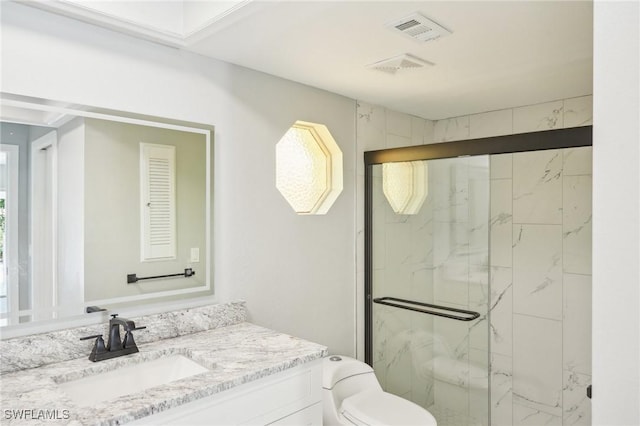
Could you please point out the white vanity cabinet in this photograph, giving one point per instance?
(290, 397)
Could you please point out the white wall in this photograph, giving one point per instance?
(616, 202)
(296, 272)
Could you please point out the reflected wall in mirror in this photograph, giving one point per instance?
(99, 208)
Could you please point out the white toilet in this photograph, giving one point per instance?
(353, 396)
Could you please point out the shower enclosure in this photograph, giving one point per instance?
(428, 268)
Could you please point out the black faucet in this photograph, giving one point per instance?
(115, 346)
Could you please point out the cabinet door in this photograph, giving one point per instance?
(310, 416)
(264, 401)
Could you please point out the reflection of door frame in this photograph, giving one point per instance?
(44, 219)
(199, 292)
(12, 262)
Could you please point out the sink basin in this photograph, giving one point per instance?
(130, 379)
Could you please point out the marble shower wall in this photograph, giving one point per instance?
(541, 287)
(430, 257)
(460, 190)
(540, 269)
(381, 128)
(401, 269)
(540, 266)
(439, 255)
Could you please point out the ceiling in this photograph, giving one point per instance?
(499, 54)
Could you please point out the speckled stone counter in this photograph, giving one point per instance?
(235, 354)
(46, 348)
(215, 336)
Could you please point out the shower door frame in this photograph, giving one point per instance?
(574, 137)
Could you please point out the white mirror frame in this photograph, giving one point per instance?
(57, 107)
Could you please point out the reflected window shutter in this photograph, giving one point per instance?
(158, 201)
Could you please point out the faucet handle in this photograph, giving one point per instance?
(91, 337)
(128, 339)
(98, 347)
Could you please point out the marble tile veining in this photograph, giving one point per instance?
(576, 404)
(501, 390)
(537, 270)
(451, 129)
(501, 307)
(371, 125)
(537, 187)
(578, 111)
(577, 220)
(397, 356)
(537, 364)
(236, 354)
(538, 117)
(501, 223)
(524, 415)
(576, 325)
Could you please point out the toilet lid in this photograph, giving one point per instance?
(380, 408)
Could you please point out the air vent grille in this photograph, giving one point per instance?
(419, 27)
(397, 63)
(407, 25)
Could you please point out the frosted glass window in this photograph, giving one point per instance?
(405, 185)
(158, 201)
(308, 168)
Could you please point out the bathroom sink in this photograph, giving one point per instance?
(130, 379)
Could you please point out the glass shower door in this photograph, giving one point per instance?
(430, 285)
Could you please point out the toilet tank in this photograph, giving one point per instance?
(344, 376)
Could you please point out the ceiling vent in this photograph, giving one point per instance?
(418, 27)
(397, 63)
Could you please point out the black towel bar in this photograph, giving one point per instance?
(467, 315)
(133, 278)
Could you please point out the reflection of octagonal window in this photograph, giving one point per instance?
(405, 185)
(309, 168)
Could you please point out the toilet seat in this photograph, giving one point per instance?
(374, 407)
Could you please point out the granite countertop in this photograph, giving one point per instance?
(235, 355)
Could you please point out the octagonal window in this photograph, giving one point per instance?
(405, 185)
(309, 168)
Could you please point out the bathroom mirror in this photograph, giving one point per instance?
(100, 208)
